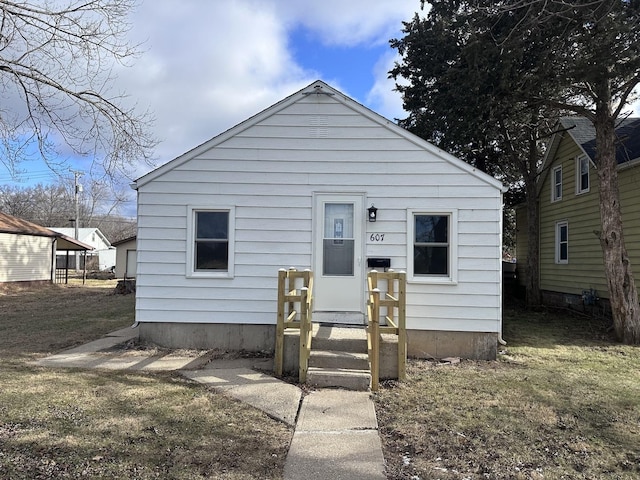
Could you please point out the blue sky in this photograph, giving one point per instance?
(207, 66)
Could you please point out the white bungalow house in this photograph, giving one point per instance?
(103, 254)
(291, 186)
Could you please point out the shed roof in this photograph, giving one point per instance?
(124, 240)
(18, 226)
(10, 224)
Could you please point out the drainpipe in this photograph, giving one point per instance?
(501, 227)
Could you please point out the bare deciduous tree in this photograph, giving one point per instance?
(56, 61)
(54, 206)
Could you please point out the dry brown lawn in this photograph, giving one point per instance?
(562, 402)
(74, 423)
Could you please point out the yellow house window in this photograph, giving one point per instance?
(556, 188)
(582, 174)
(562, 242)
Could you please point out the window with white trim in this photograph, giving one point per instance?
(582, 174)
(562, 242)
(432, 246)
(210, 242)
(556, 188)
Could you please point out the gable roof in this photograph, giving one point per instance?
(317, 87)
(18, 226)
(83, 233)
(584, 134)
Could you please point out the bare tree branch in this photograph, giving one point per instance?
(56, 75)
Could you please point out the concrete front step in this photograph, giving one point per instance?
(335, 359)
(345, 318)
(359, 380)
(332, 338)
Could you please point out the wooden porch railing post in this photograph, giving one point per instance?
(304, 336)
(375, 339)
(279, 353)
(402, 326)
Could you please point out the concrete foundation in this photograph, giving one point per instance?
(441, 344)
(590, 304)
(208, 336)
(261, 338)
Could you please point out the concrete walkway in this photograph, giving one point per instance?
(336, 431)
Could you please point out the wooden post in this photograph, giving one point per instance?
(279, 353)
(391, 282)
(304, 336)
(402, 326)
(375, 339)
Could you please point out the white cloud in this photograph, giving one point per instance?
(383, 97)
(208, 65)
(348, 23)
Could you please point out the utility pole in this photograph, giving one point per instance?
(76, 197)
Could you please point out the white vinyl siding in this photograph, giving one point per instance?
(269, 169)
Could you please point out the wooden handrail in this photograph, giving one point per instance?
(394, 300)
(295, 304)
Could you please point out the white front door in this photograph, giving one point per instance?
(338, 245)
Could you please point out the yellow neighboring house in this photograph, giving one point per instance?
(571, 265)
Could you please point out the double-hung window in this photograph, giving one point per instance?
(210, 239)
(582, 174)
(556, 188)
(432, 254)
(562, 242)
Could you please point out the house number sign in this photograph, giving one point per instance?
(376, 237)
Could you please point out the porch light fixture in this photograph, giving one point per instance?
(373, 213)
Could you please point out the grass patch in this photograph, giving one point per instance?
(562, 402)
(65, 423)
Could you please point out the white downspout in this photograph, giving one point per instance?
(500, 339)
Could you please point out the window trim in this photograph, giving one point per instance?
(579, 160)
(558, 242)
(554, 184)
(191, 272)
(452, 277)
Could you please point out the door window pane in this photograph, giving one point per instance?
(338, 242)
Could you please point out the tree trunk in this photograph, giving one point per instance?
(532, 281)
(623, 295)
(529, 171)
